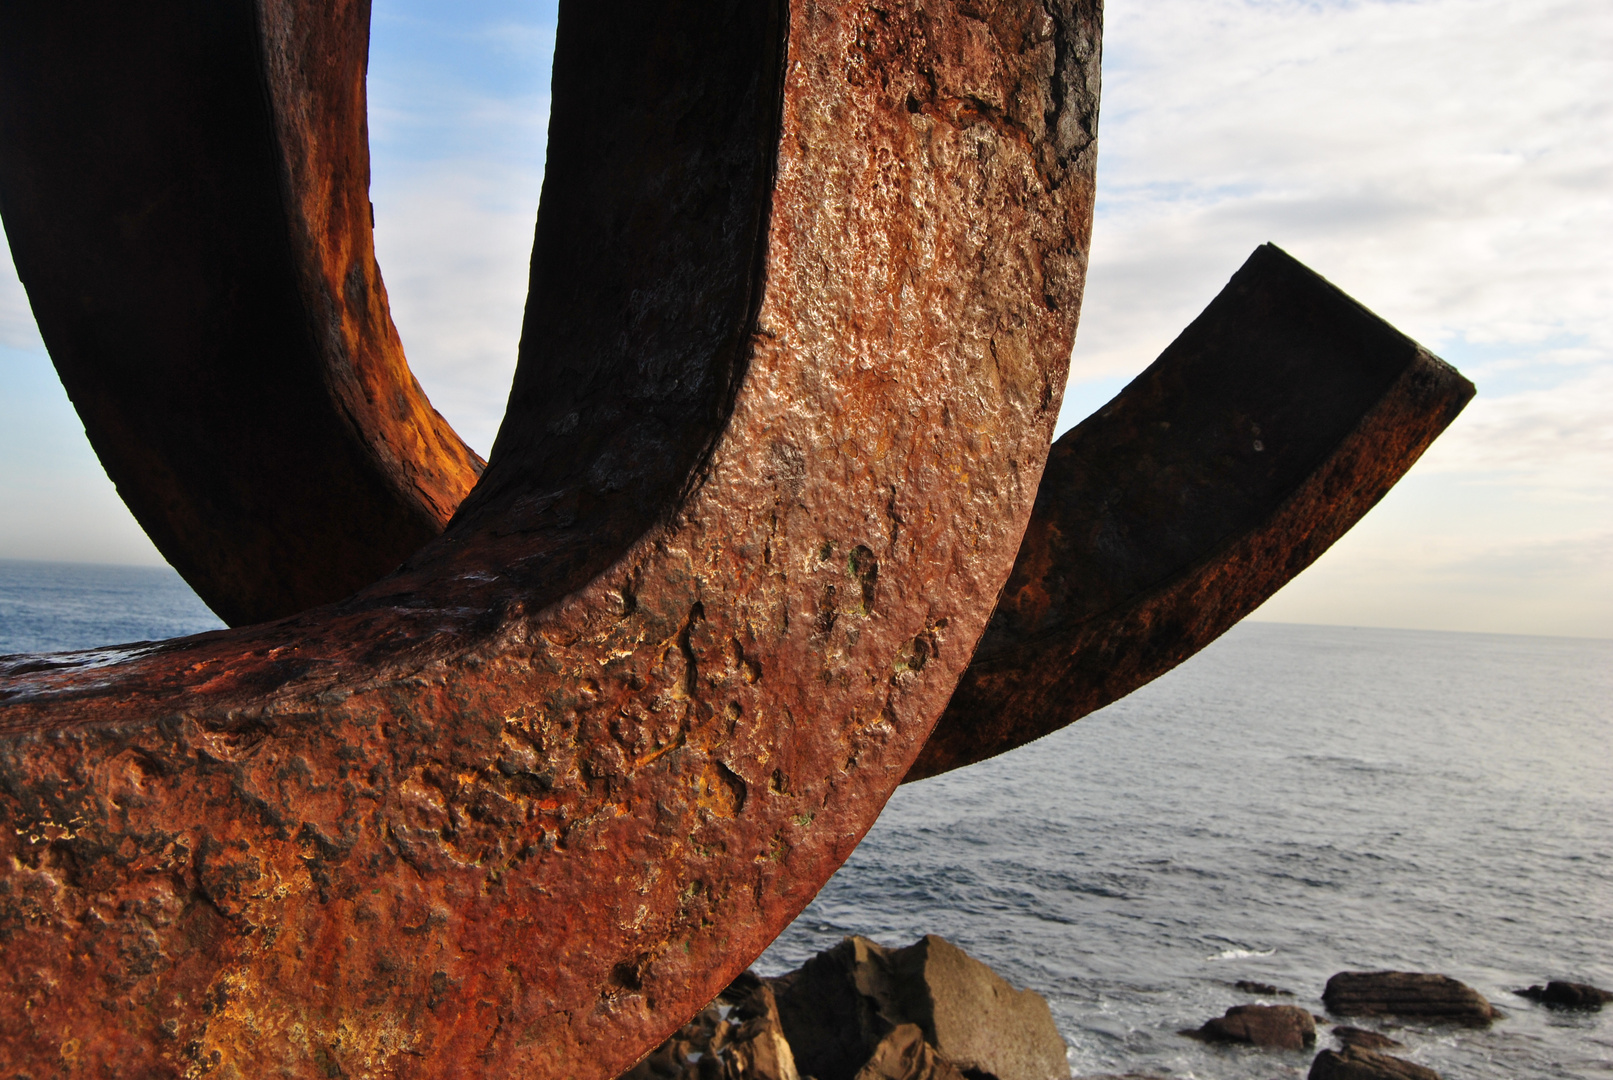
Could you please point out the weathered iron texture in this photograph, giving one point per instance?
(233, 490)
(805, 284)
(1257, 439)
(185, 190)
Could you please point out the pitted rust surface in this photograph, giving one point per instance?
(185, 191)
(524, 806)
(1267, 429)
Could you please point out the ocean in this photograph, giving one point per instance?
(53, 607)
(1292, 802)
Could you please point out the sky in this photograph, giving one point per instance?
(1447, 162)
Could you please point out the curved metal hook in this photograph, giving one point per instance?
(185, 190)
(1179, 523)
(1262, 434)
(1258, 438)
(530, 801)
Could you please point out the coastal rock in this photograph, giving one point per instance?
(860, 1011)
(973, 1016)
(1366, 1040)
(904, 1055)
(747, 1044)
(755, 1048)
(1567, 995)
(1285, 1027)
(1354, 1063)
(1261, 989)
(1407, 994)
(839, 1007)
(675, 1059)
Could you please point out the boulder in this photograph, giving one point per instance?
(1407, 994)
(1284, 1027)
(1261, 989)
(1355, 1063)
(904, 1055)
(1567, 995)
(973, 1016)
(860, 1011)
(755, 1047)
(1366, 1040)
(838, 1008)
(746, 1044)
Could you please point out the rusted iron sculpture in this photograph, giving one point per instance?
(803, 292)
(1267, 429)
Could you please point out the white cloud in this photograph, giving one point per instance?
(454, 249)
(459, 116)
(1556, 441)
(1448, 162)
(1560, 585)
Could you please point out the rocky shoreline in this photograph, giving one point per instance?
(861, 1011)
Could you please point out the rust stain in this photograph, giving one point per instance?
(524, 805)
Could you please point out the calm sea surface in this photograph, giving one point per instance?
(52, 607)
(1293, 802)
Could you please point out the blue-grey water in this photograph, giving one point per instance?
(1294, 801)
(52, 607)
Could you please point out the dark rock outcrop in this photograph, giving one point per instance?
(1284, 1027)
(1409, 995)
(746, 1044)
(756, 1049)
(835, 1008)
(904, 1055)
(1261, 989)
(1567, 995)
(1354, 1063)
(860, 1011)
(1366, 1040)
(842, 1004)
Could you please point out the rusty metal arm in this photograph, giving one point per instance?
(185, 187)
(523, 806)
(1258, 438)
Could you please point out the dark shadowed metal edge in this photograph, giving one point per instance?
(185, 187)
(1258, 438)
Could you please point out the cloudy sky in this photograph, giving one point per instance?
(1447, 162)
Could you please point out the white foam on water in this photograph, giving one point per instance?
(1241, 954)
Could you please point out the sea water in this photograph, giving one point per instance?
(52, 607)
(1292, 802)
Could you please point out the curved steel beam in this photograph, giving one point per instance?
(226, 486)
(1258, 438)
(254, 552)
(185, 189)
(529, 802)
